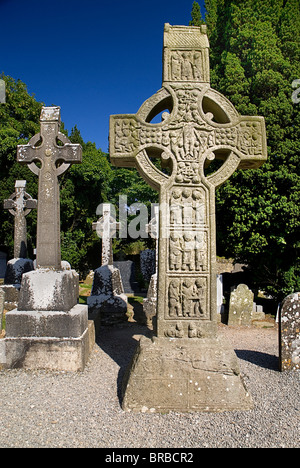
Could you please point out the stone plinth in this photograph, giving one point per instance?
(184, 375)
(49, 330)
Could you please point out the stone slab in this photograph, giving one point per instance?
(51, 353)
(184, 375)
(49, 323)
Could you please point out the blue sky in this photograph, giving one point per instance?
(93, 58)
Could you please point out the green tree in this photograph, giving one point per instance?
(82, 188)
(197, 19)
(19, 121)
(255, 48)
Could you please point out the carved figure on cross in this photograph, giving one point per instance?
(48, 155)
(20, 205)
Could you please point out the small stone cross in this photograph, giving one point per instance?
(20, 205)
(48, 155)
(2, 92)
(106, 227)
(198, 126)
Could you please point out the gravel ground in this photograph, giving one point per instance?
(42, 409)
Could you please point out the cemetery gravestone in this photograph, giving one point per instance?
(187, 366)
(289, 333)
(2, 298)
(128, 275)
(241, 306)
(107, 303)
(3, 260)
(49, 329)
(150, 303)
(19, 205)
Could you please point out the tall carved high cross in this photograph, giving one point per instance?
(20, 205)
(202, 125)
(187, 366)
(54, 153)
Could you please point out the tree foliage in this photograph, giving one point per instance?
(197, 19)
(255, 47)
(82, 188)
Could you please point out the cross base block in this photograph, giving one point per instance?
(184, 375)
(56, 341)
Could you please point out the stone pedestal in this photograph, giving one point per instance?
(107, 303)
(49, 330)
(184, 375)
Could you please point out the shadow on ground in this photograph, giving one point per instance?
(120, 341)
(264, 360)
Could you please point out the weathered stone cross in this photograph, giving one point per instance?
(2, 92)
(198, 126)
(202, 126)
(19, 205)
(105, 228)
(54, 154)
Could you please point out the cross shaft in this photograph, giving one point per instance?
(48, 155)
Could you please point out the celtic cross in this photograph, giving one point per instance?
(20, 205)
(198, 126)
(106, 227)
(48, 155)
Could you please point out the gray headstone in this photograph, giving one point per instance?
(2, 299)
(289, 333)
(128, 275)
(3, 260)
(241, 306)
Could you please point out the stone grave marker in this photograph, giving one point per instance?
(187, 366)
(19, 205)
(3, 260)
(128, 275)
(49, 329)
(107, 303)
(241, 306)
(289, 333)
(2, 92)
(150, 303)
(2, 299)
